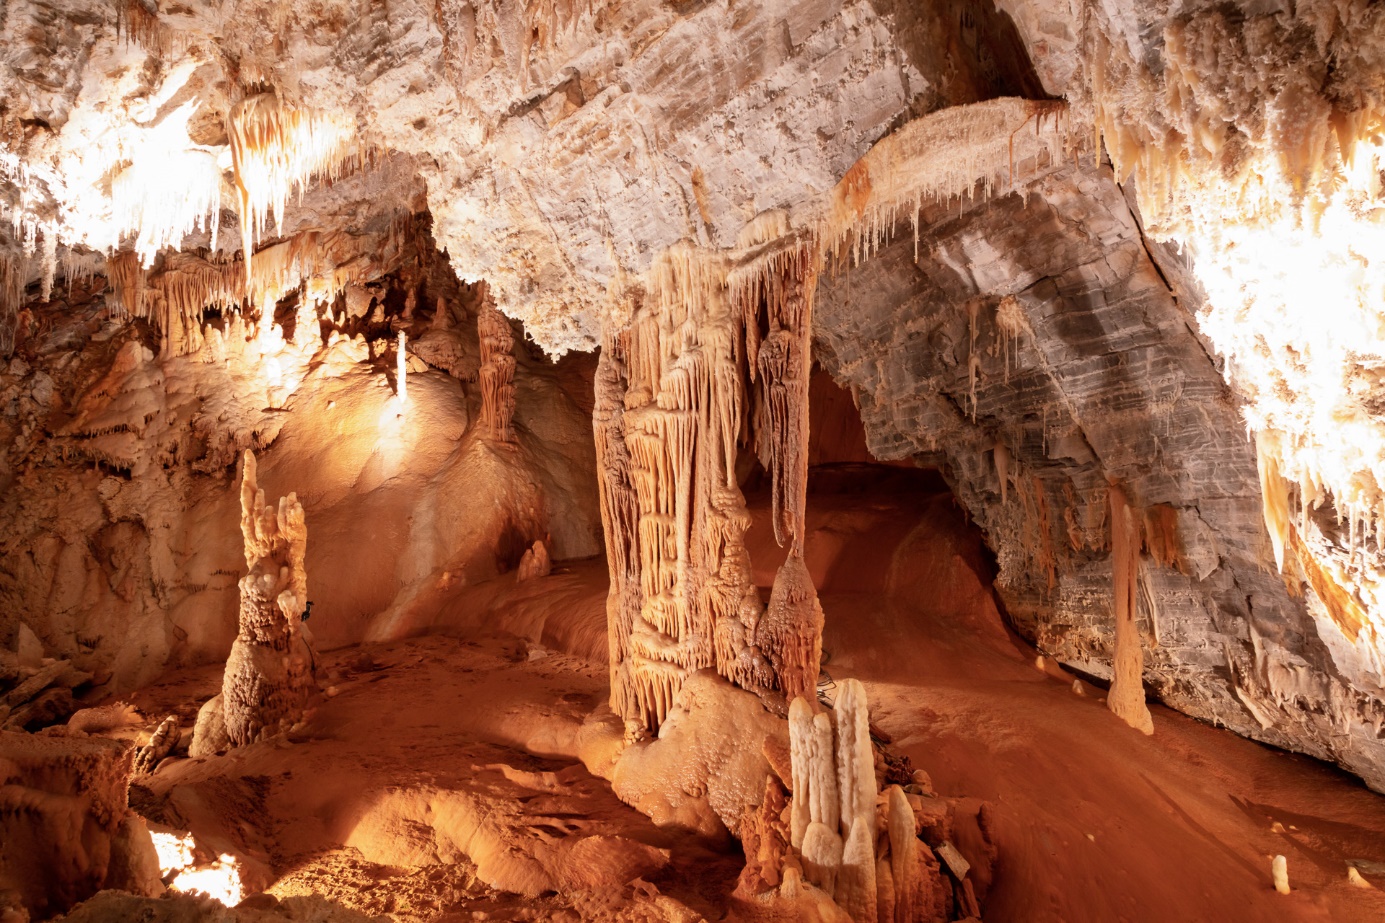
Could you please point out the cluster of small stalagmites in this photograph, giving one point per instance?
(497, 374)
(839, 832)
(268, 676)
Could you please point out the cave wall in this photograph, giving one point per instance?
(119, 513)
(1088, 370)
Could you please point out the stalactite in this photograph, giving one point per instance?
(268, 675)
(775, 290)
(277, 149)
(12, 280)
(126, 278)
(680, 412)
(170, 190)
(1274, 496)
(136, 23)
(1127, 695)
(619, 518)
(1000, 455)
(939, 157)
(497, 374)
(689, 346)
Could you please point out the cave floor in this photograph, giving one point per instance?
(427, 754)
(1092, 820)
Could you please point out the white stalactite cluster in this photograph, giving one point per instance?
(276, 150)
(177, 293)
(940, 157)
(873, 872)
(497, 373)
(1258, 145)
(269, 674)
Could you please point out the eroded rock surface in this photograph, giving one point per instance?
(1039, 343)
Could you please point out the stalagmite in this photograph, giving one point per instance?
(834, 788)
(160, 745)
(800, 748)
(856, 885)
(822, 767)
(401, 370)
(765, 840)
(791, 632)
(1127, 696)
(885, 894)
(268, 675)
(497, 374)
(535, 562)
(855, 759)
(904, 855)
(1279, 870)
(822, 856)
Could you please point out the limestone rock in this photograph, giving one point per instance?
(269, 674)
(707, 767)
(63, 821)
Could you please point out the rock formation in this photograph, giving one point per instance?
(891, 877)
(66, 829)
(269, 675)
(497, 373)
(1112, 270)
(1127, 698)
(161, 744)
(535, 563)
(1279, 871)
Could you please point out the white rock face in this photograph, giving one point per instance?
(557, 152)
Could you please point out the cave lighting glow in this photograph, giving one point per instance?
(219, 880)
(1296, 304)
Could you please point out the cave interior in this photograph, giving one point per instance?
(846, 461)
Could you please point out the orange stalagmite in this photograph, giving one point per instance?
(269, 675)
(1127, 696)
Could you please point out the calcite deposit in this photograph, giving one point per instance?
(564, 419)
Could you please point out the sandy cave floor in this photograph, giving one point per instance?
(422, 739)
